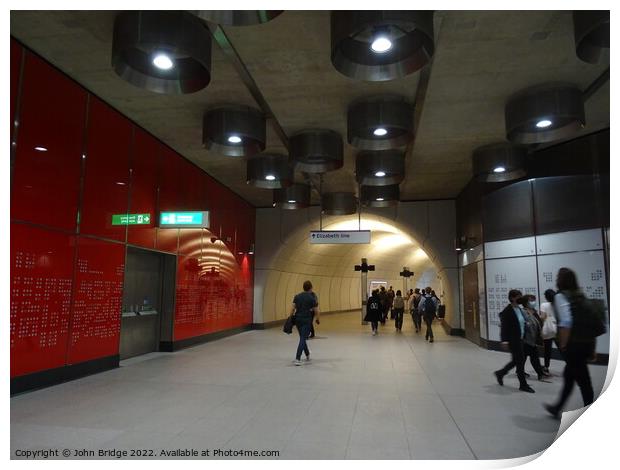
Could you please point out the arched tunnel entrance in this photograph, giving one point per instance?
(330, 267)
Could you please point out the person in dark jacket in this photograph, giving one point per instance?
(417, 315)
(512, 333)
(428, 307)
(304, 305)
(391, 295)
(383, 297)
(533, 336)
(373, 311)
(398, 307)
(577, 349)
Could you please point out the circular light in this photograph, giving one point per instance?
(380, 131)
(270, 178)
(40, 149)
(380, 174)
(292, 201)
(162, 61)
(543, 123)
(381, 45)
(234, 139)
(499, 169)
(379, 199)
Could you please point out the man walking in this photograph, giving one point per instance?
(303, 306)
(428, 308)
(512, 334)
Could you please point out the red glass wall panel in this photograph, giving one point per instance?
(45, 184)
(145, 163)
(193, 302)
(106, 174)
(96, 314)
(41, 279)
(16, 60)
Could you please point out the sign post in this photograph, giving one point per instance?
(406, 274)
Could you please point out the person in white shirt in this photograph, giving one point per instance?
(549, 327)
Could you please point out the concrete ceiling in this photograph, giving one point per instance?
(481, 58)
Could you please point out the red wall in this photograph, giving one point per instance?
(68, 261)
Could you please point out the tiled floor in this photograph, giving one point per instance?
(393, 396)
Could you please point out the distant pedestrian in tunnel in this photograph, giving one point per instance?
(383, 297)
(512, 332)
(417, 315)
(304, 305)
(391, 295)
(399, 309)
(428, 308)
(373, 311)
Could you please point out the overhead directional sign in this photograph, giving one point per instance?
(131, 219)
(340, 237)
(184, 219)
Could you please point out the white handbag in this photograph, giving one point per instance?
(549, 329)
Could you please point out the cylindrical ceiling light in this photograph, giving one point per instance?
(162, 51)
(544, 114)
(237, 17)
(269, 171)
(237, 131)
(296, 196)
(339, 203)
(381, 45)
(380, 168)
(499, 162)
(591, 34)
(380, 196)
(380, 123)
(317, 150)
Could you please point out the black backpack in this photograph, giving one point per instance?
(588, 318)
(429, 305)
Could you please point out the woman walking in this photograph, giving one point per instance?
(399, 309)
(532, 333)
(549, 328)
(304, 308)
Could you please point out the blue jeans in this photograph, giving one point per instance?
(303, 327)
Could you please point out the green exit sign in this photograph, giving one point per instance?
(184, 219)
(131, 219)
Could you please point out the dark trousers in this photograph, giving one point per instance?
(518, 361)
(428, 319)
(417, 319)
(398, 314)
(311, 334)
(303, 328)
(392, 312)
(548, 347)
(532, 352)
(384, 313)
(576, 356)
(375, 325)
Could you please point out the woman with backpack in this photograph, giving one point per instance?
(398, 307)
(374, 312)
(549, 327)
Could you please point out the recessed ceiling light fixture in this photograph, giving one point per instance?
(237, 17)
(499, 162)
(140, 45)
(380, 168)
(389, 117)
(296, 196)
(316, 150)
(545, 113)
(163, 61)
(543, 123)
(269, 171)
(40, 149)
(380, 196)
(381, 45)
(380, 132)
(235, 131)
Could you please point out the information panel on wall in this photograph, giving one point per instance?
(340, 237)
(589, 266)
(502, 275)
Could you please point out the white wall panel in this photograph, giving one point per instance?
(525, 246)
(503, 275)
(471, 256)
(590, 269)
(578, 240)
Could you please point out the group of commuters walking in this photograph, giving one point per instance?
(420, 304)
(566, 318)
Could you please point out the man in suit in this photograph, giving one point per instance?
(512, 333)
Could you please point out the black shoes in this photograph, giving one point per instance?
(499, 377)
(431, 340)
(527, 388)
(553, 411)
